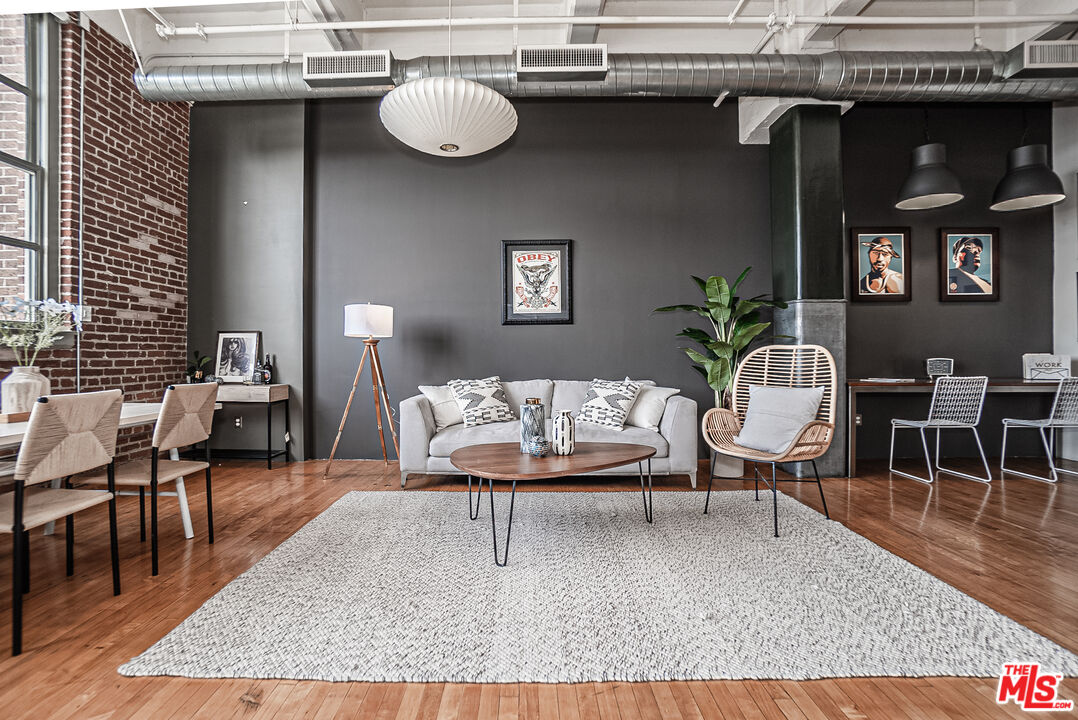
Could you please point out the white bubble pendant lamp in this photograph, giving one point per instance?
(450, 117)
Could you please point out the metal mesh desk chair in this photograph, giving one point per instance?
(956, 405)
(1064, 415)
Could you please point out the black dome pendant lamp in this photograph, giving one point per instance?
(931, 183)
(1029, 182)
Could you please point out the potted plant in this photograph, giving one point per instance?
(735, 324)
(196, 371)
(28, 327)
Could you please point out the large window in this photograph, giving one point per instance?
(24, 157)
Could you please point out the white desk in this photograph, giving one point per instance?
(131, 415)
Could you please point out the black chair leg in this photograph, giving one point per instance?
(209, 504)
(775, 499)
(710, 476)
(17, 559)
(142, 514)
(153, 525)
(69, 529)
(25, 562)
(114, 549)
(820, 486)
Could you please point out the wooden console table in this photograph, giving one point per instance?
(269, 395)
(875, 387)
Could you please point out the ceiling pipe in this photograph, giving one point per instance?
(832, 76)
(611, 20)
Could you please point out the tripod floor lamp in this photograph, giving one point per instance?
(370, 322)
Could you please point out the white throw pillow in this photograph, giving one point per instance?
(444, 405)
(649, 407)
(607, 403)
(776, 415)
(481, 401)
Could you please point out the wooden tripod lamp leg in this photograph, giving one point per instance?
(376, 367)
(347, 407)
(373, 344)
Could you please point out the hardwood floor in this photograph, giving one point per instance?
(1013, 545)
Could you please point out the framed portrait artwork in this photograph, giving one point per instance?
(879, 263)
(237, 353)
(537, 282)
(969, 264)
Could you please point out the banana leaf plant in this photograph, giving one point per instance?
(735, 324)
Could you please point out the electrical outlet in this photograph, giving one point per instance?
(857, 419)
(86, 313)
(239, 421)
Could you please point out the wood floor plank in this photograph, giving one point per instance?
(977, 538)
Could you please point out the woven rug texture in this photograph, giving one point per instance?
(402, 587)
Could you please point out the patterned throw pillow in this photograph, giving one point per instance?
(608, 402)
(481, 401)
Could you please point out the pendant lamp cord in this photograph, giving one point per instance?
(928, 138)
(1025, 125)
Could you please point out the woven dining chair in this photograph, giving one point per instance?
(186, 418)
(956, 405)
(790, 366)
(1064, 415)
(66, 435)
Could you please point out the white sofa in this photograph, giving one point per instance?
(424, 451)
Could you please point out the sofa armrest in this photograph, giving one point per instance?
(679, 427)
(417, 428)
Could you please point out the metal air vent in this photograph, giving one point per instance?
(561, 62)
(1043, 59)
(351, 67)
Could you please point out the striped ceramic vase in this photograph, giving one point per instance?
(564, 433)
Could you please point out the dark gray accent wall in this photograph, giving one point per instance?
(984, 338)
(245, 247)
(650, 192)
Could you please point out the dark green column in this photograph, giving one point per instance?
(807, 246)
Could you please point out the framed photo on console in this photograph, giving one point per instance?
(969, 264)
(237, 353)
(879, 263)
(537, 282)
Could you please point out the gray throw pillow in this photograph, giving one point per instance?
(776, 415)
(607, 403)
(481, 401)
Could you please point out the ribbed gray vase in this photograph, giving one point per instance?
(532, 425)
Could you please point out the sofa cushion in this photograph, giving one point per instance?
(517, 391)
(458, 436)
(569, 395)
(443, 404)
(481, 401)
(607, 403)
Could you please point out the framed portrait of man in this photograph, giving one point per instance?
(237, 353)
(537, 282)
(879, 262)
(969, 264)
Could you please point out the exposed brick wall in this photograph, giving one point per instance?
(134, 214)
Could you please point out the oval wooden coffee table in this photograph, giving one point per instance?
(504, 461)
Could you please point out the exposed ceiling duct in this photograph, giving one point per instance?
(856, 76)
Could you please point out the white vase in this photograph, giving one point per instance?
(564, 433)
(21, 388)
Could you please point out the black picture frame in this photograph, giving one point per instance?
(862, 241)
(552, 304)
(227, 354)
(969, 287)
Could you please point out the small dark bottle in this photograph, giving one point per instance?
(258, 377)
(267, 370)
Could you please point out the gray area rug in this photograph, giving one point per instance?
(401, 586)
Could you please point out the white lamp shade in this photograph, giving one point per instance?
(368, 320)
(448, 117)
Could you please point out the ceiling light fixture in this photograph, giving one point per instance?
(1029, 182)
(931, 183)
(449, 117)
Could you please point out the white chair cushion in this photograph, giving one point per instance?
(775, 416)
(647, 411)
(481, 401)
(443, 404)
